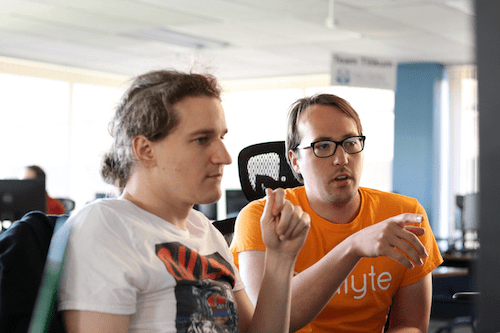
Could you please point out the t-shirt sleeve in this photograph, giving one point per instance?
(432, 261)
(247, 233)
(95, 278)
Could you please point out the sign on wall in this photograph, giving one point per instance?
(363, 71)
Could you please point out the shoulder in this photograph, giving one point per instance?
(198, 221)
(252, 208)
(200, 226)
(99, 206)
(296, 195)
(101, 215)
(377, 197)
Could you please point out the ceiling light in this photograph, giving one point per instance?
(330, 19)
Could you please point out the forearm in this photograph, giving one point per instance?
(272, 312)
(405, 330)
(411, 307)
(314, 287)
(93, 322)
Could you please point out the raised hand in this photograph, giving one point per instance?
(284, 226)
(386, 237)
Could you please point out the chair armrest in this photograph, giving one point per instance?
(467, 295)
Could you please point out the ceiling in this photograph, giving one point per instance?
(242, 38)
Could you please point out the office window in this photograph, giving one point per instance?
(469, 131)
(464, 138)
(93, 108)
(34, 128)
(59, 125)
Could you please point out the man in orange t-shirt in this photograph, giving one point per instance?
(367, 251)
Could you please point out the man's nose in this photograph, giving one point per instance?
(340, 157)
(221, 155)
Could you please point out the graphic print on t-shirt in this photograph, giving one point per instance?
(205, 302)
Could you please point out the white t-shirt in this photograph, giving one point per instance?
(124, 260)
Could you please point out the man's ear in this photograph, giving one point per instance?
(143, 150)
(294, 160)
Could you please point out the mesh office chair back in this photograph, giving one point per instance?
(264, 165)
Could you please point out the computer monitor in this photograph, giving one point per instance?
(469, 218)
(235, 201)
(470, 221)
(18, 197)
(210, 210)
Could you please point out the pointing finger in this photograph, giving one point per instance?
(404, 219)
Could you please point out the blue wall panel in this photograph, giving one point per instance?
(416, 102)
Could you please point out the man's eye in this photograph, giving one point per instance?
(202, 139)
(323, 145)
(352, 142)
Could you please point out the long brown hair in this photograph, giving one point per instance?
(147, 109)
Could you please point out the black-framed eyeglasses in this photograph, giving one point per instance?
(326, 148)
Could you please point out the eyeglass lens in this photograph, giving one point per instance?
(327, 148)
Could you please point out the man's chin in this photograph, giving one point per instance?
(342, 199)
(210, 198)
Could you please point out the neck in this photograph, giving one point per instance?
(140, 194)
(339, 213)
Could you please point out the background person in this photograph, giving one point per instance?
(147, 261)
(53, 206)
(359, 233)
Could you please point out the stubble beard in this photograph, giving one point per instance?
(339, 200)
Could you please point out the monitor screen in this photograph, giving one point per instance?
(18, 197)
(469, 218)
(235, 201)
(210, 210)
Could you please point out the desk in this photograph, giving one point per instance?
(454, 275)
(447, 271)
(467, 259)
(460, 259)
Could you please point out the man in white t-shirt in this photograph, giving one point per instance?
(148, 262)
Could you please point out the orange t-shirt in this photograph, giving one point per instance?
(362, 302)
